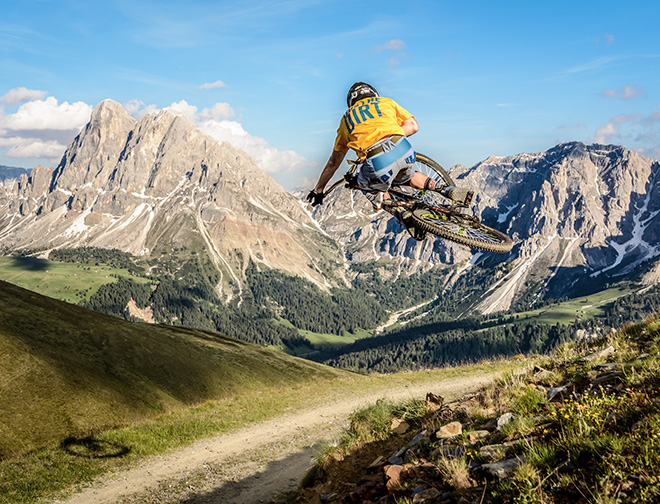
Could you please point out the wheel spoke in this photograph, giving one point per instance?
(431, 169)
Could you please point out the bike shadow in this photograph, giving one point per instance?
(93, 447)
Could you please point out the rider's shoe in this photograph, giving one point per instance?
(458, 194)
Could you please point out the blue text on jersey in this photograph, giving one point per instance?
(361, 112)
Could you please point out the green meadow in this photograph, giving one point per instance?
(583, 307)
(68, 282)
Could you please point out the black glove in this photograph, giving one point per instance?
(315, 198)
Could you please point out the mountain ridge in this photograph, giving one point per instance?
(575, 210)
(159, 188)
(156, 184)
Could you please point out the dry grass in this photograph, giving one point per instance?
(455, 472)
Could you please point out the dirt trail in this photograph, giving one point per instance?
(252, 465)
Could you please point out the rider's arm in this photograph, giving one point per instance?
(410, 126)
(330, 168)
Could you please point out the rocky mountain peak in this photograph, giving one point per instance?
(160, 184)
(109, 111)
(91, 157)
(578, 212)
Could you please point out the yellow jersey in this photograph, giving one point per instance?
(368, 121)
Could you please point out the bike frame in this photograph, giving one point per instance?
(409, 201)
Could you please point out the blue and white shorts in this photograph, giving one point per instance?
(394, 164)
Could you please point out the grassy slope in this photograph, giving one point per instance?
(598, 443)
(65, 370)
(566, 312)
(82, 393)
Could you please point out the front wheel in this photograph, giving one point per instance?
(453, 227)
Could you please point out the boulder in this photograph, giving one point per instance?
(558, 392)
(434, 402)
(503, 469)
(505, 419)
(399, 426)
(450, 430)
(605, 352)
(426, 496)
(394, 474)
(478, 435)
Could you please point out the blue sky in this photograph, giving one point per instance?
(481, 77)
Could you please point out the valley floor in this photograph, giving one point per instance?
(254, 464)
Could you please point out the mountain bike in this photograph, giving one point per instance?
(424, 211)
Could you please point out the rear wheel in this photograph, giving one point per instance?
(430, 168)
(465, 231)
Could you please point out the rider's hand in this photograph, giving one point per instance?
(315, 198)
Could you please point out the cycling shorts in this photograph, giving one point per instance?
(392, 165)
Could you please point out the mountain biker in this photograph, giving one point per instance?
(376, 128)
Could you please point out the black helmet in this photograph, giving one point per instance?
(358, 91)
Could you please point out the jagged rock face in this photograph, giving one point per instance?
(576, 211)
(161, 183)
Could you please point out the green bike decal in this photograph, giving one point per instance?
(431, 216)
(434, 216)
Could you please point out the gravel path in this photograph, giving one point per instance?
(252, 465)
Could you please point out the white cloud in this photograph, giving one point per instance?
(612, 130)
(214, 121)
(20, 147)
(590, 66)
(398, 47)
(606, 134)
(183, 107)
(138, 109)
(267, 158)
(624, 92)
(217, 112)
(392, 45)
(22, 95)
(639, 132)
(214, 85)
(40, 128)
(48, 115)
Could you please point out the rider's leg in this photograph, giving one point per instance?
(458, 194)
(419, 180)
(377, 173)
(375, 184)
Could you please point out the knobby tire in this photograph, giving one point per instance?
(454, 229)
